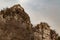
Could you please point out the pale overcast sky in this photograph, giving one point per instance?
(39, 10)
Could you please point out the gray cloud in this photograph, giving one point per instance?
(7, 3)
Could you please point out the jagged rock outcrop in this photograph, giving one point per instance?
(15, 24)
(42, 31)
(53, 34)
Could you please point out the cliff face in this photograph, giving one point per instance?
(15, 24)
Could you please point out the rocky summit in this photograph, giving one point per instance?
(15, 24)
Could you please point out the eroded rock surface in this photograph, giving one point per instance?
(15, 24)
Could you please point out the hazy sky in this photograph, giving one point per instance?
(39, 10)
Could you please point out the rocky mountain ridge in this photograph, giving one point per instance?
(15, 24)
